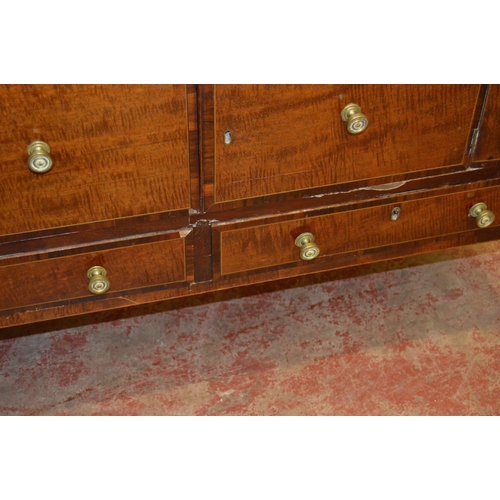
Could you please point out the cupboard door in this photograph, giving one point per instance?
(272, 139)
(118, 151)
(488, 142)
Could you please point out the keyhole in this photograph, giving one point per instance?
(228, 137)
(395, 213)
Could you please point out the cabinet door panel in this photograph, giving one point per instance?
(118, 150)
(292, 137)
(488, 143)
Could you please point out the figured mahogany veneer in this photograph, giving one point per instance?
(269, 245)
(291, 137)
(63, 278)
(119, 151)
(144, 185)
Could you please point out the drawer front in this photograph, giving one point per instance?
(292, 137)
(249, 248)
(488, 143)
(117, 151)
(65, 278)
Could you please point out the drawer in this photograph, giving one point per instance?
(118, 151)
(246, 248)
(65, 278)
(291, 137)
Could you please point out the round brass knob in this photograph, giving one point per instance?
(98, 283)
(484, 217)
(308, 249)
(39, 160)
(356, 121)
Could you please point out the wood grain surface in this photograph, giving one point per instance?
(129, 267)
(119, 151)
(291, 137)
(488, 143)
(268, 245)
(144, 185)
(86, 309)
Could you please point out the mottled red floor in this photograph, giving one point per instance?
(417, 336)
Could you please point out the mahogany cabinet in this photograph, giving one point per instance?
(115, 195)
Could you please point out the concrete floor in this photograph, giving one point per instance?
(418, 336)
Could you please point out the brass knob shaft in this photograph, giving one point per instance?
(484, 217)
(308, 249)
(356, 121)
(98, 283)
(39, 159)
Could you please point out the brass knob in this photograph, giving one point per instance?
(98, 282)
(39, 160)
(356, 121)
(308, 249)
(484, 217)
